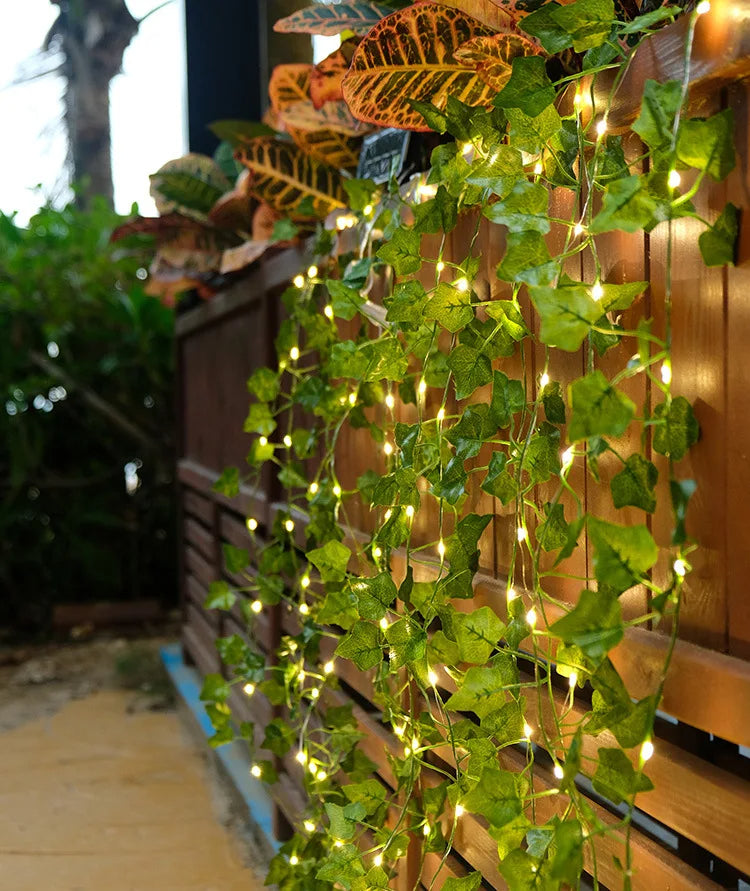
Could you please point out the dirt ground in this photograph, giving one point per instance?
(101, 787)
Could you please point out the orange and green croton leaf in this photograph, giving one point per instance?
(331, 19)
(411, 55)
(327, 75)
(492, 57)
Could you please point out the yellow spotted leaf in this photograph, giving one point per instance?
(410, 55)
(332, 116)
(326, 76)
(332, 19)
(283, 175)
(289, 84)
(492, 57)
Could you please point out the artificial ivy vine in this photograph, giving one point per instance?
(473, 685)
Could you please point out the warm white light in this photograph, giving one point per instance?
(252, 524)
(312, 271)
(674, 179)
(256, 606)
(466, 148)
(390, 401)
(439, 266)
(528, 730)
(313, 488)
(577, 99)
(294, 354)
(567, 458)
(377, 552)
(538, 168)
(666, 373)
(320, 776)
(601, 127)
(293, 860)
(400, 730)
(289, 525)
(384, 624)
(422, 389)
(263, 441)
(415, 744)
(338, 844)
(248, 689)
(309, 826)
(703, 7)
(460, 810)
(407, 751)
(521, 534)
(288, 441)
(346, 221)
(328, 667)
(432, 678)
(328, 311)
(368, 210)
(680, 568)
(410, 510)
(463, 283)
(578, 230)
(388, 448)
(313, 768)
(531, 618)
(299, 281)
(558, 772)
(387, 514)
(572, 679)
(441, 548)
(301, 757)
(425, 190)
(314, 693)
(426, 829)
(544, 380)
(647, 750)
(352, 399)
(337, 491)
(305, 581)
(255, 770)
(597, 292)
(377, 860)
(511, 595)
(441, 414)
(304, 609)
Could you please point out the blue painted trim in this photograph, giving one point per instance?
(233, 756)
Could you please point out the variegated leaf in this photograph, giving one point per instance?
(326, 76)
(492, 57)
(289, 84)
(331, 19)
(283, 175)
(332, 116)
(190, 185)
(329, 147)
(410, 55)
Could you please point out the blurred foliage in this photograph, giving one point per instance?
(86, 377)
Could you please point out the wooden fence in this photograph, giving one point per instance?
(693, 830)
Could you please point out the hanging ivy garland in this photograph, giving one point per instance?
(530, 125)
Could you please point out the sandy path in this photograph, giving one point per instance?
(96, 799)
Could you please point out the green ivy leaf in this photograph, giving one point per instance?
(345, 301)
(541, 458)
(338, 608)
(450, 307)
(615, 777)
(634, 485)
(235, 559)
(675, 429)
(528, 88)
(659, 105)
(343, 820)
(362, 645)
(598, 409)
(621, 553)
(330, 560)
(220, 596)
(470, 882)
(566, 314)
(438, 214)
(475, 426)
(588, 22)
(214, 689)
(279, 737)
(342, 865)
(463, 556)
(441, 650)
(477, 634)
(708, 144)
(594, 625)
(499, 481)
(452, 483)
(228, 483)
(370, 793)
(552, 532)
(718, 243)
(408, 303)
(264, 384)
(471, 369)
(508, 397)
(531, 134)
(498, 172)
(527, 259)
(375, 595)
(402, 251)
(483, 689)
(497, 796)
(627, 205)
(283, 230)
(553, 402)
(542, 24)
(508, 314)
(360, 193)
(407, 642)
(681, 492)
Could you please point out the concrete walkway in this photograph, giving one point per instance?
(96, 799)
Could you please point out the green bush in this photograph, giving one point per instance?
(86, 375)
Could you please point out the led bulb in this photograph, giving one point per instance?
(304, 609)
(312, 271)
(293, 860)
(377, 552)
(528, 730)
(252, 524)
(578, 230)
(387, 514)
(544, 380)
(558, 772)
(314, 693)
(352, 399)
(263, 441)
(328, 667)
(400, 730)
(390, 401)
(577, 99)
(439, 266)
(377, 860)
(368, 209)
(328, 311)
(462, 284)
(289, 525)
(299, 281)
(666, 373)
(511, 594)
(425, 190)
(410, 510)
(459, 810)
(345, 221)
(538, 168)
(703, 7)
(426, 829)
(597, 291)
(305, 581)
(248, 689)
(288, 441)
(647, 750)
(680, 568)
(601, 127)
(674, 179)
(294, 354)
(422, 387)
(441, 548)
(255, 770)
(309, 826)
(301, 757)
(441, 414)
(466, 148)
(313, 488)
(432, 678)
(572, 679)
(256, 606)
(384, 624)
(521, 534)
(567, 457)
(338, 844)
(321, 775)
(388, 448)
(531, 618)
